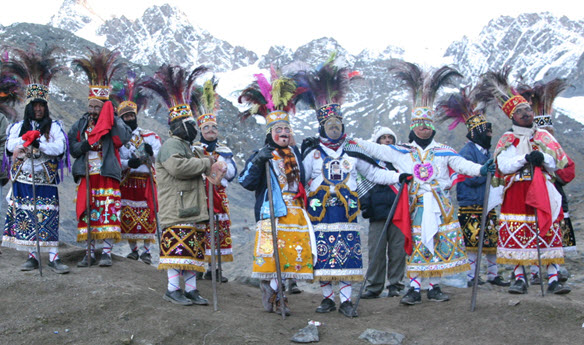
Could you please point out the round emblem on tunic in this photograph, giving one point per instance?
(346, 165)
(316, 154)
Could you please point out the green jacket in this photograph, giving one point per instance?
(181, 189)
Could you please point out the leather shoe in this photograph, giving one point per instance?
(499, 281)
(347, 308)
(83, 263)
(146, 258)
(176, 297)
(535, 279)
(293, 287)
(196, 297)
(393, 291)
(368, 295)
(411, 297)
(470, 283)
(518, 288)
(558, 288)
(30, 264)
(105, 260)
(58, 267)
(133, 255)
(435, 294)
(326, 306)
(208, 276)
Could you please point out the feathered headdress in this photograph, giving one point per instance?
(174, 85)
(35, 69)
(205, 102)
(541, 97)
(424, 86)
(460, 108)
(100, 66)
(326, 88)
(494, 87)
(11, 92)
(127, 95)
(271, 100)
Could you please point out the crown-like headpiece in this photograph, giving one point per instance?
(128, 96)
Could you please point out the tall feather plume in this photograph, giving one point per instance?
(204, 100)
(32, 66)
(172, 84)
(458, 108)
(129, 90)
(253, 97)
(494, 87)
(327, 84)
(11, 90)
(266, 90)
(551, 90)
(99, 65)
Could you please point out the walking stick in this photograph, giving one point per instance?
(275, 241)
(212, 238)
(537, 241)
(378, 245)
(155, 201)
(218, 245)
(35, 221)
(88, 209)
(475, 282)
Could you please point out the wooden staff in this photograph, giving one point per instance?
(485, 214)
(378, 245)
(275, 240)
(212, 236)
(88, 209)
(35, 216)
(537, 242)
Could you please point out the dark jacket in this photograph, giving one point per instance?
(377, 202)
(253, 178)
(111, 142)
(471, 191)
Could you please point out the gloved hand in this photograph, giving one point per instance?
(405, 178)
(134, 162)
(308, 144)
(535, 158)
(264, 154)
(148, 149)
(36, 143)
(489, 166)
(85, 147)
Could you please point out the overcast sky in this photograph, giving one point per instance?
(420, 27)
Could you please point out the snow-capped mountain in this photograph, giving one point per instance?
(163, 34)
(537, 46)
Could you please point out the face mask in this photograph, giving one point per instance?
(133, 124)
(333, 128)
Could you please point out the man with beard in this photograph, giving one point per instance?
(470, 192)
(391, 257)
(527, 158)
(295, 236)
(94, 141)
(333, 162)
(137, 157)
(438, 247)
(181, 188)
(37, 144)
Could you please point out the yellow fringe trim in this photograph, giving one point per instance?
(544, 262)
(440, 273)
(224, 258)
(485, 250)
(324, 199)
(354, 278)
(116, 236)
(182, 267)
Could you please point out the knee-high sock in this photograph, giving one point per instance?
(173, 279)
(552, 271)
(274, 284)
(133, 245)
(190, 280)
(534, 270)
(492, 268)
(108, 244)
(32, 253)
(146, 247)
(519, 272)
(472, 259)
(433, 282)
(327, 290)
(345, 290)
(415, 282)
(53, 253)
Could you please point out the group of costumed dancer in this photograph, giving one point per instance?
(133, 187)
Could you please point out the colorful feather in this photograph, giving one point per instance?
(458, 108)
(99, 65)
(173, 84)
(33, 67)
(129, 90)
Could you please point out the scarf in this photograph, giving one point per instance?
(524, 134)
(290, 165)
(333, 144)
(210, 144)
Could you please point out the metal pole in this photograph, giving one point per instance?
(35, 221)
(88, 209)
(212, 239)
(537, 241)
(275, 241)
(218, 245)
(378, 245)
(485, 214)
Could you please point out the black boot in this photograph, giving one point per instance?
(196, 297)
(347, 309)
(326, 306)
(30, 264)
(176, 297)
(58, 267)
(558, 288)
(411, 297)
(436, 294)
(519, 287)
(134, 255)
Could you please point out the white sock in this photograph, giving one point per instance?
(133, 245)
(472, 260)
(190, 280)
(416, 283)
(492, 268)
(173, 279)
(32, 253)
(327, 290)
(108, 245)
(274, 284)
(345, 290)
(519, 272)
(534, 270)
(53, 253)
(146, 247)
(552, 271)
(433, 281)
